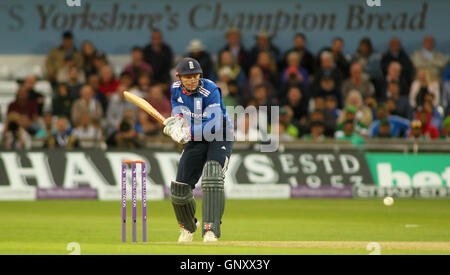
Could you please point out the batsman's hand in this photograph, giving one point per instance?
(176, 130)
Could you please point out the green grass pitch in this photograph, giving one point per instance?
(268, 227)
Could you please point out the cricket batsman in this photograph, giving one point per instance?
(201, 124)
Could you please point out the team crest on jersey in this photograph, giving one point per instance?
(180, 100)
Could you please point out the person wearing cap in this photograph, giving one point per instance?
(416, 132)
(197, 50)
(351, 113)
(236, 48)
(348, 133)
(446, 129)
(263, 43)
(399, 126)
(160, 56)
(306, 57)
(363, 113)
(56, 58)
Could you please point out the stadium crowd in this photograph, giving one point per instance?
(325, 94)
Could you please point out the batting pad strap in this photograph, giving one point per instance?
(213, 204)
(183, 203)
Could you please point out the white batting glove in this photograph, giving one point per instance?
(174, 128)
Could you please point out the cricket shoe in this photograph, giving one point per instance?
(186, 236)
(209, 237)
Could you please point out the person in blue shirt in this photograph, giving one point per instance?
(201, 124)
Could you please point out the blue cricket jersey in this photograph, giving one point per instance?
(204, 110)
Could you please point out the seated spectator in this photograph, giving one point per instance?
(62, 136)
(306, 57)
(297, 102)
(328, 67)
(143, 86)
(260, 97)
(417, 131)
(88, 54)
(47, 126)
(318, 115)
(224, 74)
(23, 105)
(446, 129)
(357, 82)
(55, 59)
(137, 65)
(294, 70)
(436, 117)
(393, 75)
(129, 134)
(350, 114)
(363, 113)
(108, 83)
(100, 60)
(14, 137)
(348, 133)
(446, 95)
(247, 128)
(256, 77)
(329, 119)
(369, 59)
(63, 74)
(400, 102)
(87, 135)
(94, 82)
(398, 126)
(269, 68)
(396, 53)
(316, 132)
(126, 81)
(33, 95)
(422, 85)
(428, 129)
(236, 48)
(331, 107)
(234, 96)
(62, 102)
(74, 83)
(342, 61)
(87, 104)
(160, 56)
(150, 126)
(429, 59)
(290, 128)
(116, 108)
(327, 87)
(263, 44)
(237, 74)
(197, 50)
(384, 129)
(25, 123)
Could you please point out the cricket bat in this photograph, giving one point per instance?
(144, 105)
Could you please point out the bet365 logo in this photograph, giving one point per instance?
(73, 3)
(373, 3)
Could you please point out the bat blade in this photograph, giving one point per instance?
(144, 105)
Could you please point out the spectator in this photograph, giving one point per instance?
(94, 83)
(13, 136)
(306, 57)
(417, 132)
(397, 54)
(263, 44)
(159, 55)
(384, 129)
(401, 102)
(328, 87)
(236, 48)
(129, 134)
(428, 129)
(342, 62)
(331, 107)
(294, 70)
(328, 67)
(62, 137)
(446, 129)
(137, 65)
(296, 100)
(116, 108)
(268, 67)
(25, 123)
(100, 61)
(446, 95)
(23, 105)
(423, 85)
(350, 113)
(247, 128)
(363, 113)
(86, 134)
(393, 75)
(151, 126)
(126, 81)
(47, 126)
(33, 95)
(446, 76)
(63, 74)
(317, 130)
(108, 83)
(55, 59)
(348, 133)
(256, 77)
(327, 117)
(226, 61)
(143, 86)
(234, 96)
(428, 59)
(74, 83)
(225, 75)
(398, 126)
(88, 54)
(87, 104)
(261, 98)
(369, 59)
(62, 102)
(436, 117)
(197, 50)
(290, 128)
(357, 82)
